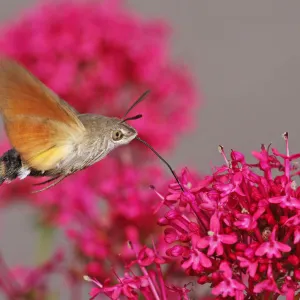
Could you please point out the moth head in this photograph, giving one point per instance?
(122, 133)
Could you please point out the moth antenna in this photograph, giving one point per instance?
(140, 99)
(163, 160)
(50, 185)
(46, 181)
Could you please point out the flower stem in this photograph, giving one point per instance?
(161, 281)
(145, 272)
(153, 289)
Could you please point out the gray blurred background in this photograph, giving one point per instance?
(246, 59)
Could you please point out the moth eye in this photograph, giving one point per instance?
(117, 135)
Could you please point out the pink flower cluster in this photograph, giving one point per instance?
(151, 283)
(239, 228)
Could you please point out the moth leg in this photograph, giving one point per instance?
(61, 178)
(47, 181)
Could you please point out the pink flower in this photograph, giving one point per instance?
(228, 286)
(214, 240)
(251, 265)
(182, 292)
(151, 284)
(289, 288)
(287, 200)
(272, 247)
(268, 284)
(127, 287)
(147, 256)
(246, 221)
(197, 261)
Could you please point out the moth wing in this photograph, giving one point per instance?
(39, 125)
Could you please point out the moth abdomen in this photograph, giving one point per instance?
(10, 166)
(2, 172)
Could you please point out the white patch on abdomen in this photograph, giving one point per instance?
(23, 173)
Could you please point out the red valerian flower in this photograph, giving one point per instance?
(238, 229)
(127, 286)
(268, 284)
(196, 260)
(272, 247)
(214, 240)
(182, 292)
(228, 286)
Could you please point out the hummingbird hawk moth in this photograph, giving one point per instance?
(49, 137)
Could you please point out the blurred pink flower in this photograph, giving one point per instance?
(99, 56)
(20, 282)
